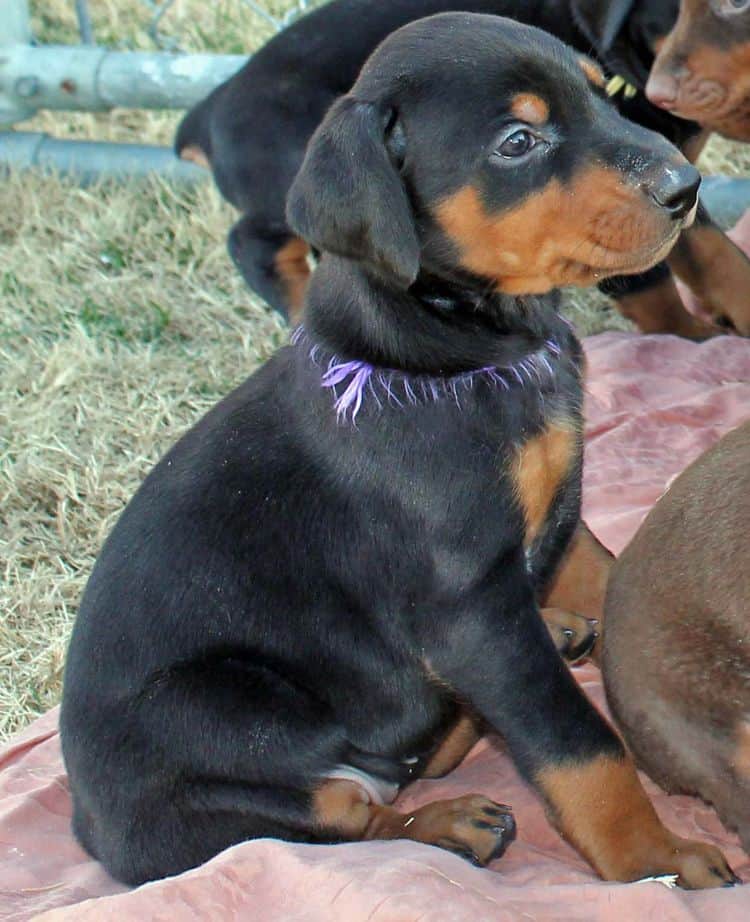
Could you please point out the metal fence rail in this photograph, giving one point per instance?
(90, 77)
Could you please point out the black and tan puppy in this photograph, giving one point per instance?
(677, 645)
(253, 130)
(324, 584)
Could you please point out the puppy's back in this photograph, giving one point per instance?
(677, 641)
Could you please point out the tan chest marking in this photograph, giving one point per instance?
(543, 463)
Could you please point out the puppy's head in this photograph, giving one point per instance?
(702, 71)
(474, 146)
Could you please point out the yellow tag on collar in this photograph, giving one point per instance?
(617, 84)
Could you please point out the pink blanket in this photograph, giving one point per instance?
(654, 403)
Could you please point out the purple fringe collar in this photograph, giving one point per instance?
(350, 381)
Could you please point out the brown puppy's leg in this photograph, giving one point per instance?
(717, 272)
(572, 634)
(471, 826)
(693, 148)
(659, 309)
(454, 747)
(622, 836)
(580, 582)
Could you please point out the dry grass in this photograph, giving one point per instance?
(123, 320)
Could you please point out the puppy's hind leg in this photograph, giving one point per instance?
(209, 755)
(274, 265)
(472, 826)
(238, 753)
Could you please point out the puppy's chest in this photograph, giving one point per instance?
(509, 490)
(517, 496)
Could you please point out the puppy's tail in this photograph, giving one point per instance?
(193, 139)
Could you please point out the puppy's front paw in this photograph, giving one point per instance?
(700, 866)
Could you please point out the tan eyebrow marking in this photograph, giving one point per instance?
(527, 107)
(593, 72)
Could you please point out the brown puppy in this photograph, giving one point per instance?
(702, 73)
(677, 646)
(702, 70)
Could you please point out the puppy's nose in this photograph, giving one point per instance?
(676, 189)
(662, 90)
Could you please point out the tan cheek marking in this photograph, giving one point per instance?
(503, 246)
(291, 265)
(593, 72)
(543, 464)
(527, 107)
(555, 236)
(194, 154)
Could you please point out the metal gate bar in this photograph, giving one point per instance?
(91, 78)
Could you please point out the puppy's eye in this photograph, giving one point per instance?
(517, 144)
(730, 7)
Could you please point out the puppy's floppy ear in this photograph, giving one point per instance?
(348, 197)
(601, 20)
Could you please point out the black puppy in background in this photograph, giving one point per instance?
(328, 580)
(253, 129)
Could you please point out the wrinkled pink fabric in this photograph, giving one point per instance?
(653, 404)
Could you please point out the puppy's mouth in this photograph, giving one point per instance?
(608, 256)
(605, 257)
(593, 262)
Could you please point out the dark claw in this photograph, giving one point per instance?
(503, 842)
(506, 826)
(467, 854)
(498, 810)
(499, 829)
(575, 654)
